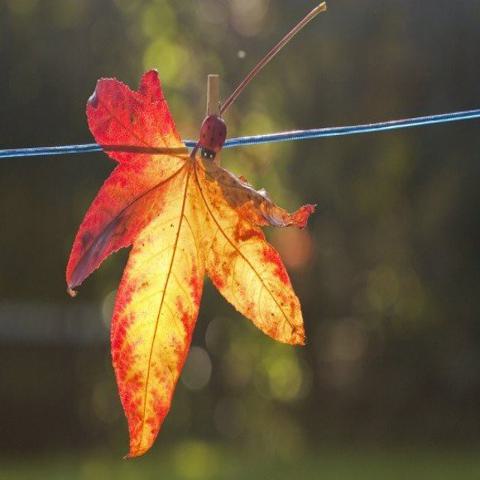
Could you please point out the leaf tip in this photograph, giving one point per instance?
(93, 99)
(73, 293)
(298, 336)
(135, 453)
(301, 216)
(150, 85)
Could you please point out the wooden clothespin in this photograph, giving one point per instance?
(213, 94)
(213, 100)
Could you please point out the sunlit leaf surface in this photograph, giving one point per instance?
(184, 216)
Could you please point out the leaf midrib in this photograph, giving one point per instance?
(240, 252)
(121, 212)
(160, 308)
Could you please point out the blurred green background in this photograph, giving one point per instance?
(388, 271)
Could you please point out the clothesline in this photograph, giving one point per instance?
(294, 135)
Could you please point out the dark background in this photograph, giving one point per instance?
(388, 270)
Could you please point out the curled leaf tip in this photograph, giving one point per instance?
(301, 216)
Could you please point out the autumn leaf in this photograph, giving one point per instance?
(184, 217)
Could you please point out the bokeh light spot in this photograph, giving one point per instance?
(105, 403)
(248, 16)
(343, 345)
(197, 370)
(281, 376)
(158, 20)
(107, 308)
(196, 460)
(169, 58)
(295, 247)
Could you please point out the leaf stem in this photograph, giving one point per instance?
(266, 59)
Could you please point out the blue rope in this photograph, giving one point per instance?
(268, 138)
(355, 129)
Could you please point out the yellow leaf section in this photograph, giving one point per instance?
(245, 268)
(253, 205)
(156, 310)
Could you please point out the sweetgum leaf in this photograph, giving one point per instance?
(184, 216)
